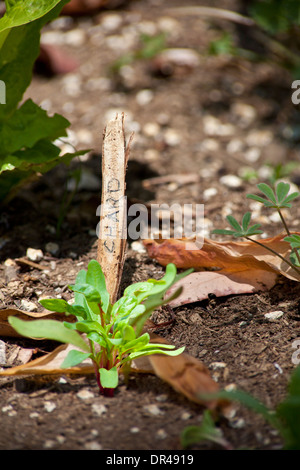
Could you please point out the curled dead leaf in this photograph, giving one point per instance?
(49, 364)
(224, 268)
(186, 374)
(7, 330)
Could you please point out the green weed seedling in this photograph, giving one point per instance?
(278, 199)
(114, 332)
(285, 418)
(206, 431)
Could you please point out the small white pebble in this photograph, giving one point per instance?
(49, 406)
(218, 365)
(134, 430)
(48, 444)
(259, 138)
(144, 97)
(34, 415)
(172, 137)
(151, 129)
(60, 439)
(34, 255)
(153, 410)
(209, 193)
(111, 22)
(28, 306)
(6, 408)
(93, 445)
(237, 423)
(273, 316)
(235, 145)
(161, 434)
(231, 181)
(186, 415)
(2, 352)
(138, 246)
(278, 368)
(99, 409)
(252, 154)
(85, 394)
(74, 37)
(162, 397)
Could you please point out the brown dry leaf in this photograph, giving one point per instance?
(198, 285)
(241, 266)
(50, 365)
(225, 257)
(186, 374)
(7, 330)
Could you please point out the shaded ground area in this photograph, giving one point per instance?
(211, 117)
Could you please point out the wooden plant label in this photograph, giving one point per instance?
(112, 232)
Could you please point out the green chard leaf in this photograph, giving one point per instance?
(50, 329)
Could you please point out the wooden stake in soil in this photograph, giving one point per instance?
(112, 233)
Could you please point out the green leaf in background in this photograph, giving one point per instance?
(26, 132)
(19, 12)
(276, 16)
(207, 431)
(288, 411)
(27, 126)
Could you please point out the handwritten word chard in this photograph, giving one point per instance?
(113, 332)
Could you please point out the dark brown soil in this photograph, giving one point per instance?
(255, 354)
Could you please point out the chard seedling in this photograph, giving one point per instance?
(114, 332)
(278, 199)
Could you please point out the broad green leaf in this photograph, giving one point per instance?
(55, 305)
(294, 240)
(246, 221)
(282, 190)
(19, 12)
(95, 278)
(109, 378)
(291, 197)
(19, 49)
(223, 232)
(257, 198)
(74, 358)
(14, 174)
(158, 350)
(234, 223)
(136, 343)
(50, 329)
(94, 336)
(268, 191)
(124, 305)
(27, 126)
(87, 326)
(91, 293)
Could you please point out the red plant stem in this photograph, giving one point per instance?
(101, 316)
